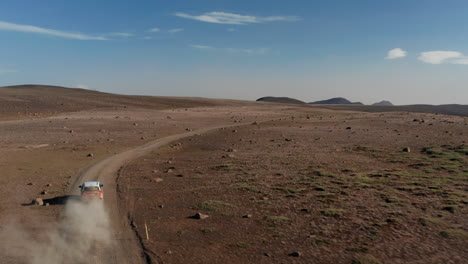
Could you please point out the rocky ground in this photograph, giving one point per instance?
(41, 157)
(315, 187)
(286, 184)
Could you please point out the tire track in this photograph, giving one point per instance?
(126, 246)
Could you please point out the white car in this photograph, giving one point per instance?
(91, 190)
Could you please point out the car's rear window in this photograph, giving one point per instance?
(91, 188)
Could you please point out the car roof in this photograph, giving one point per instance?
(88, 184)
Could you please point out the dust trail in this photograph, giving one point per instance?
(84, 229)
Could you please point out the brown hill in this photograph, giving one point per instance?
(43, 100)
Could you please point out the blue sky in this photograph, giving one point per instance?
(411, 51)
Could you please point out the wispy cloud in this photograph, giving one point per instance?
(6, 26)
(154, 30)
(439, 57)
(259, 51)
(235, 19)
(5, 71)
(202, 47)
(121, 34)
(256, 51)
(396, 53)
(175, 30)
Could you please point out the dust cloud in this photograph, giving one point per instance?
(81, 234)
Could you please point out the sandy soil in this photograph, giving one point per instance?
(51, 154)
(280, 183)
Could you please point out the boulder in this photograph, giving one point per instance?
(38, 201)
(200, 216)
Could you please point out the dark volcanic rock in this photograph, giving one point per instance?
(383, 103)
(283, 100)
(336, 100)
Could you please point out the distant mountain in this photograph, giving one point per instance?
(283, 100)
(383, 103)
(336, 100)
(452, 109)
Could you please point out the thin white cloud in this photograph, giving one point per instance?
(5, 71)
(463, 60)
(235, 19)
(6, 26)
(257, 51)
(175, 30)
(439, 57)
(202, 47)
(395, 54)
(121, 34)
(147, 37)
(231, 29)
(154, 30)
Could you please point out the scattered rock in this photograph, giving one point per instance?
(348, 128)
(162, 206)
(155, 171)
(287, 139)
(234, 131)
(247, 216)
(450, 209)
(30, 183)
(90, 155)
(295, 254)
(169, 170)
(46, 204)
(158, 180)
(44, 192)
(199, 215)
(135, 124)
(231, 150)
(407, 149)
(266, 254)
(48, 185)
(38, 201)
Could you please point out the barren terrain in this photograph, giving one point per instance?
(310, 188)
(280, 183)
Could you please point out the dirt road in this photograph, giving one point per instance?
(125, 247)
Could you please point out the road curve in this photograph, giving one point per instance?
(125, 247)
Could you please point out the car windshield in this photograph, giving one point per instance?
(91, 188)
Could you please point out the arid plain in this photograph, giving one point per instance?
(273, 183)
